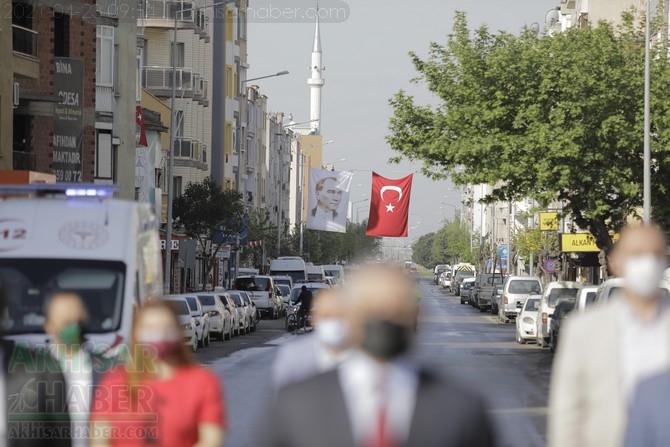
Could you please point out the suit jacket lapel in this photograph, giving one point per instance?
(423, 410)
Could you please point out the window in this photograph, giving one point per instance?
(242, 25)
(230, 13)
(104, 61)
(176, 186)
(61, 35)
(532, 304)
(229, 138)
(229, 81)
(179, 55)
(180, 124)
(138, 75)
(524, 286)
(104, 156)
(561, 294)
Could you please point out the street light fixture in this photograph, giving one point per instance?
(173, 128)
(279, 73)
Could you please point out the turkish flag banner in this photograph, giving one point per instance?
(139, 120)
(389, 206)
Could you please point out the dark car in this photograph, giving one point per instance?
(557, 318)
(497, 300)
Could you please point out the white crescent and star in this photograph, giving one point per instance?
(398, 189)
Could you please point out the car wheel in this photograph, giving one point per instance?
(482, 309)
(195, 345)
(208, 339)
(520, 340)
(552, 346)
(462, 300)
(201, 342)
(541, 343)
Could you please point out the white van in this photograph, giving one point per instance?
(293, 266)
(336, 271)
(81, 240)
(315, 273)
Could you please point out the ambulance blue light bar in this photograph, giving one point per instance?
(55, 189)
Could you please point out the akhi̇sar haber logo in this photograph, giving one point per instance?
(83, 235)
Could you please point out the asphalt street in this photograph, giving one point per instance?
(456, 340)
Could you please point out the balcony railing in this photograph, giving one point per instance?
(24, 41)
(23, 161)
(186, 12)
(188, 83)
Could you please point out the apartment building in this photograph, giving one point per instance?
(255, 150)
(191, 55)
(64, 109)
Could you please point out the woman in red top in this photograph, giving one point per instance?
(159, 397)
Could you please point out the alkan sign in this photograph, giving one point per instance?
(68, 119)
(581, 243)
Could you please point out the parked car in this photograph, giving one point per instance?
(484, 290)
(229, 304)
(186, 320)
(201, 320)
(515, 291)
(285, 290)
(220, 321)
(252, 312)
(459, 275)
(526, 325)
(554, 293)
(466, 289)
(284, 280)
(414, 274)
(242, 310)
(585, 298)
(612, 286)
(439, 269)
(557, 318)
(445, 279)
(263, 293)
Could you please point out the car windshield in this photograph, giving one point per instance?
(180, 307)
(285, 290)
(207, 300)
(560, 294)
(191, 303)
(524, 286)
(236, 299)
(245, 298)
(468, 285)
(494, 280)
(27, 282)
(590, 298)
(532, 304)
(460, 275)
(253, 284)
(333, 273)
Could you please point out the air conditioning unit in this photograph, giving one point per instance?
(15, 98)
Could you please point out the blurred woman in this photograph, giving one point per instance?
(159, 397)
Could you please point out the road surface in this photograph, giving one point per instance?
(454, 339)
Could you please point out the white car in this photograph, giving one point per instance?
(526, 320)
(243, 311)
(585, 298)
(201, 320)
(445, 279)
(554, 293)
(186, 320)
(220, 320)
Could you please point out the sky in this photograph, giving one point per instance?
(365, 51)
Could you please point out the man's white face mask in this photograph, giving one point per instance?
(642, 275)
(332, 332)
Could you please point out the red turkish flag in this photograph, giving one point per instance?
(389, 206)
(139, 119)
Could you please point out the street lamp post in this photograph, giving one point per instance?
(646, 194)
(173, 129)
(353, 204)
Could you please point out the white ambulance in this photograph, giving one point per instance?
(76, 238)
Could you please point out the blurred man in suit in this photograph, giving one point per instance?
(319, 351)
(34, 407)
(378, 397)
(606, 352)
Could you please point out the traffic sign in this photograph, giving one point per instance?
(550, 265)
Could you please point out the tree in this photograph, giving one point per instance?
(204, 210)
(554, 118)
(422, 251)
(453, 244)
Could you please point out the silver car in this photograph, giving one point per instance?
(243, 311)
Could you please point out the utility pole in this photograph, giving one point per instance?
(509, 240)
(647, 119)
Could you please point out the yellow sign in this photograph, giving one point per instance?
(548, 221)
(581, 243)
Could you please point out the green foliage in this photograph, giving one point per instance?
(450, 244)
(527, 241)
(203, 207)
(322, 247)
(554, 118)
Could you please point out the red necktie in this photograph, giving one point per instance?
(381, 436)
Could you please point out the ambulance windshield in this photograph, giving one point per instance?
(27, 282)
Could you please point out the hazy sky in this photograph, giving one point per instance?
(366, 62)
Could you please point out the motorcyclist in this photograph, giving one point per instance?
(305, 299)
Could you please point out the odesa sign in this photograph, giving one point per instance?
(580, 243)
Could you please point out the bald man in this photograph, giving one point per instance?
(606, 352)
(66, 318)
(377, 396)
(322, 350)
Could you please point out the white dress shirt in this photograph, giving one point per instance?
(359, 378)
(645, 349)
(78, 373)
(325, 220)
